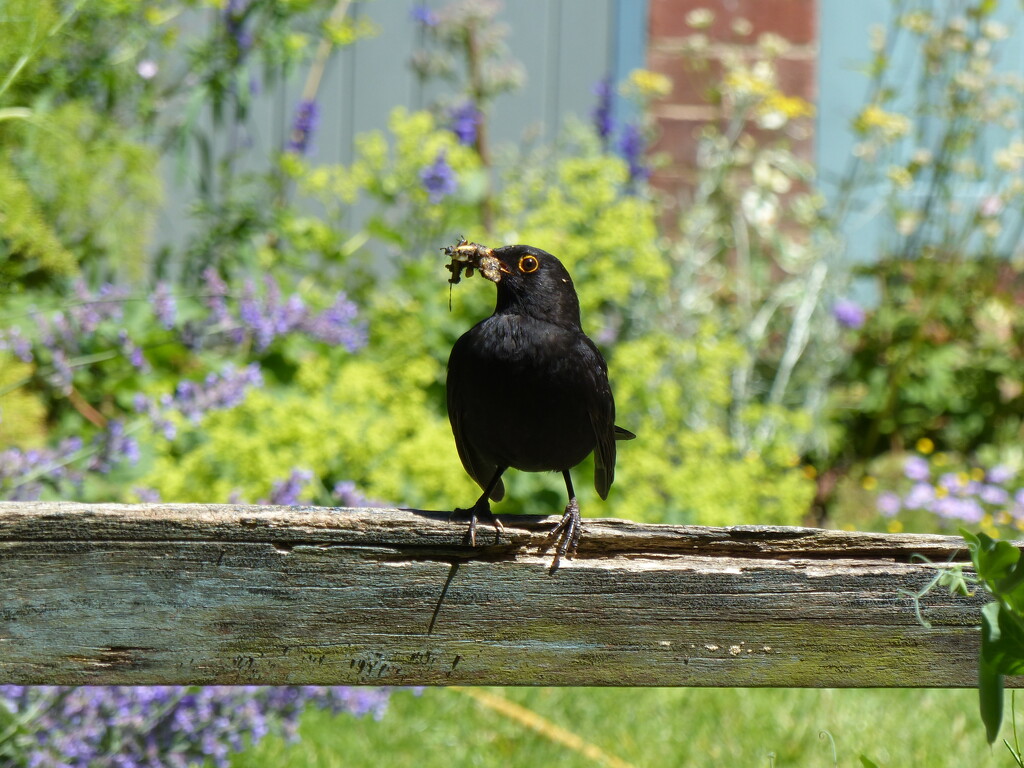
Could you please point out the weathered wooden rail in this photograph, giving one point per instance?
(227, 594)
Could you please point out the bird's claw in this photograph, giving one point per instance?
(478, 512)
(566, 535)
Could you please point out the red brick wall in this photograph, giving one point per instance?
(680, 114)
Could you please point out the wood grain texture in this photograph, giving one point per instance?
(230, 594)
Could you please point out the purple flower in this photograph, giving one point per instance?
(24, 472)
(439, 179)
(61, 376)
(463, 122)
(14, 341)
(257, 321)
(916, 468)
(994, 494)
(113, 446)
(234, 19)
(216, 290)
(968, 510)
(307, 116)
(920, 496)
(348, 495)
(217, 391)
(888, 503)
(423, 15)
(848, 314)
(1000, 474)
(164, 305)
(602, 114)
(952, 482)
(147, 495)
(165, 726)
(287, 492)
(632, 146)
(336, 325)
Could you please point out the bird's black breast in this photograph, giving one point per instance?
(519, 393)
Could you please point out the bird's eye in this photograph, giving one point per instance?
(528, 264)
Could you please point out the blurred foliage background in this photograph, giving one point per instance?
(277, 352)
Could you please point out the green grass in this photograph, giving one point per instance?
(652, 727)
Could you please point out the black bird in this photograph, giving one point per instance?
(527, 388)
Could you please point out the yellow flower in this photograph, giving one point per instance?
(890, 124)
(977, 474)
(869, 483)
(647, 84)
(789, 106)
(900, 176)
(925, 446)
(810, 472)
(759, 81)
(895, 526)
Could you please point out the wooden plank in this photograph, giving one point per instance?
(228, 594)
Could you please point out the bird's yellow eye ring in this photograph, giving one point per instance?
(528, 264)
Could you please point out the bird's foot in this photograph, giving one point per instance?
(566, 535)
(479, 511)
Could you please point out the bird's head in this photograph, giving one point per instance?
(533, 282)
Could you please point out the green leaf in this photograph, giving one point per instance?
(989, 625)
(994, 560)
(990, 697)
(1003, 645)
(868, 762)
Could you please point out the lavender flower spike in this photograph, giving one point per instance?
(439, 179)
(464, 121)
(307, 117)
(602, 114)
(632, 146)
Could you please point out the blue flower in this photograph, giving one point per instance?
(848, 314)
(632, 147)
(602, 114)
(424, 15)
(307, 117)
(464, 121)
(439, 179)
(234, 18)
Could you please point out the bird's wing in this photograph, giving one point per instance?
(476, 467)
(601, 409)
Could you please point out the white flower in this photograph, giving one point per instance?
(908, 222)
(147, 69)
(772, 44)
(700, 18)
(991, 206)
(995, 30)
(742, 27)
(922, 156)
(761, 209)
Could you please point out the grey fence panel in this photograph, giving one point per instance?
(565, 47)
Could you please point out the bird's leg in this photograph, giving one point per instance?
(566, 535)
(482, 511)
